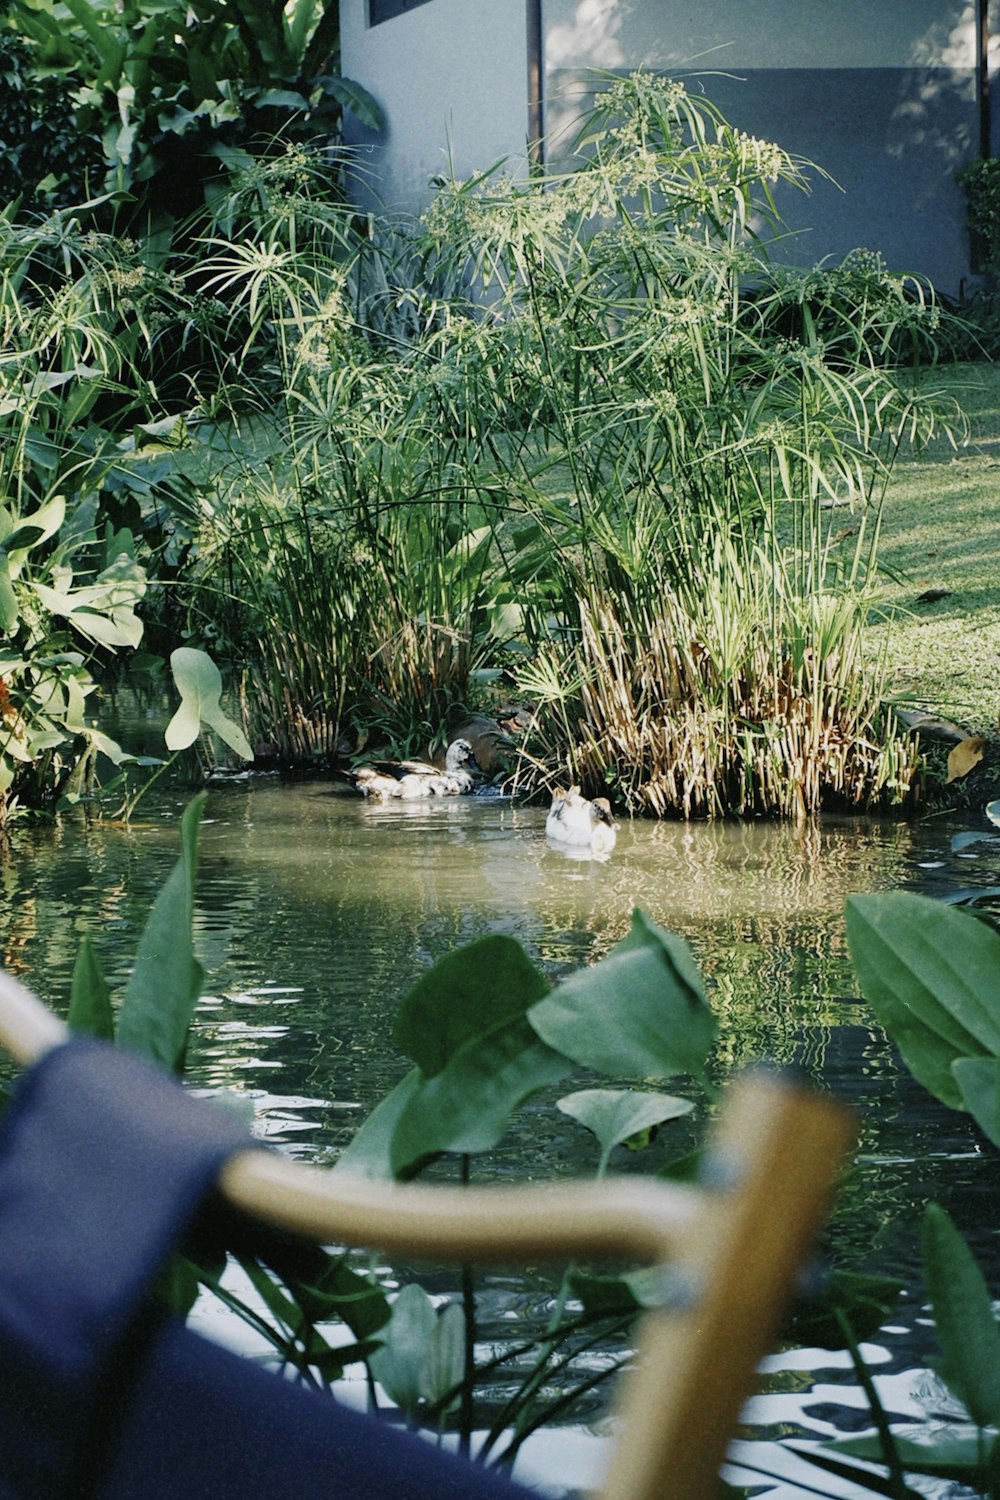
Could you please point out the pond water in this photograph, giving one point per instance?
(317, 910)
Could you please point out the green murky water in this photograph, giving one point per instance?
(316, 910)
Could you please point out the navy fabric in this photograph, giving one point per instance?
(104, 1161)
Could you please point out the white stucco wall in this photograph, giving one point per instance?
(452, 79)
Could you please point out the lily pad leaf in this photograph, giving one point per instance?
(199, 683)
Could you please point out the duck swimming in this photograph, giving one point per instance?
(574, 821)
(410, 779)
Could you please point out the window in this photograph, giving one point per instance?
(384, 10)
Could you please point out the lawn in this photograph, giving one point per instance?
(942, 533)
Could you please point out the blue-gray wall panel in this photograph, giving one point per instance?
(893, 139)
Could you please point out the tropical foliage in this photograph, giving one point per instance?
(69, 582)
(601, 443)
(575, 431)
(160, 93)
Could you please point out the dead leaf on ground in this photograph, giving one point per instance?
(965, 755)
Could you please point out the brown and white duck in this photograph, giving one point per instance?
(581, 824)
(410, 779)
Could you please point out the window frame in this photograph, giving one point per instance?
(380, 11)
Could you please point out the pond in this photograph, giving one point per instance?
(317, 910)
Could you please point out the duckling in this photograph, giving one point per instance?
(580, 824)
(410, 779)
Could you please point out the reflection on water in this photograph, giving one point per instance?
(316, 910)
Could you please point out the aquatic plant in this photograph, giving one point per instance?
(708, 421)
(929, 971)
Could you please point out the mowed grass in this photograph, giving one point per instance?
(941, 531)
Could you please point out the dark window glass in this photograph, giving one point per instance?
(384, 10)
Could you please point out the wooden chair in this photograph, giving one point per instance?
(738, 1238)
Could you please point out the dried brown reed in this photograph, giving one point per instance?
(675, 729)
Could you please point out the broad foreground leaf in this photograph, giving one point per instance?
(398, 1364)
(90, 999)
(370, 1151)
(929, 973)
(963, 1314)
(166, 978)
(978, 1079)
(615, 1115)
(466, 1107)
(640, 1012)
(466, 995)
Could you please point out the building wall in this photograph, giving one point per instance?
(451, 77)
(882, 97)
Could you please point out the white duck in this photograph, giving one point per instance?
(574, 821)
(410, 779)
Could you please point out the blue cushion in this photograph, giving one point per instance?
(104, 1162)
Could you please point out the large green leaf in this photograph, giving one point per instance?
(370, 1151)
(640, 1012)
(466, 1107)
(963, 1313)
(443, 1368)
(32, 529)
(398, 1364)
(350, 95)
(930, 973)
(978, 1080)
(199, 683)
(166, 978)
(466, 994)
(103, 611)
(342, 1292)
(90, 999)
